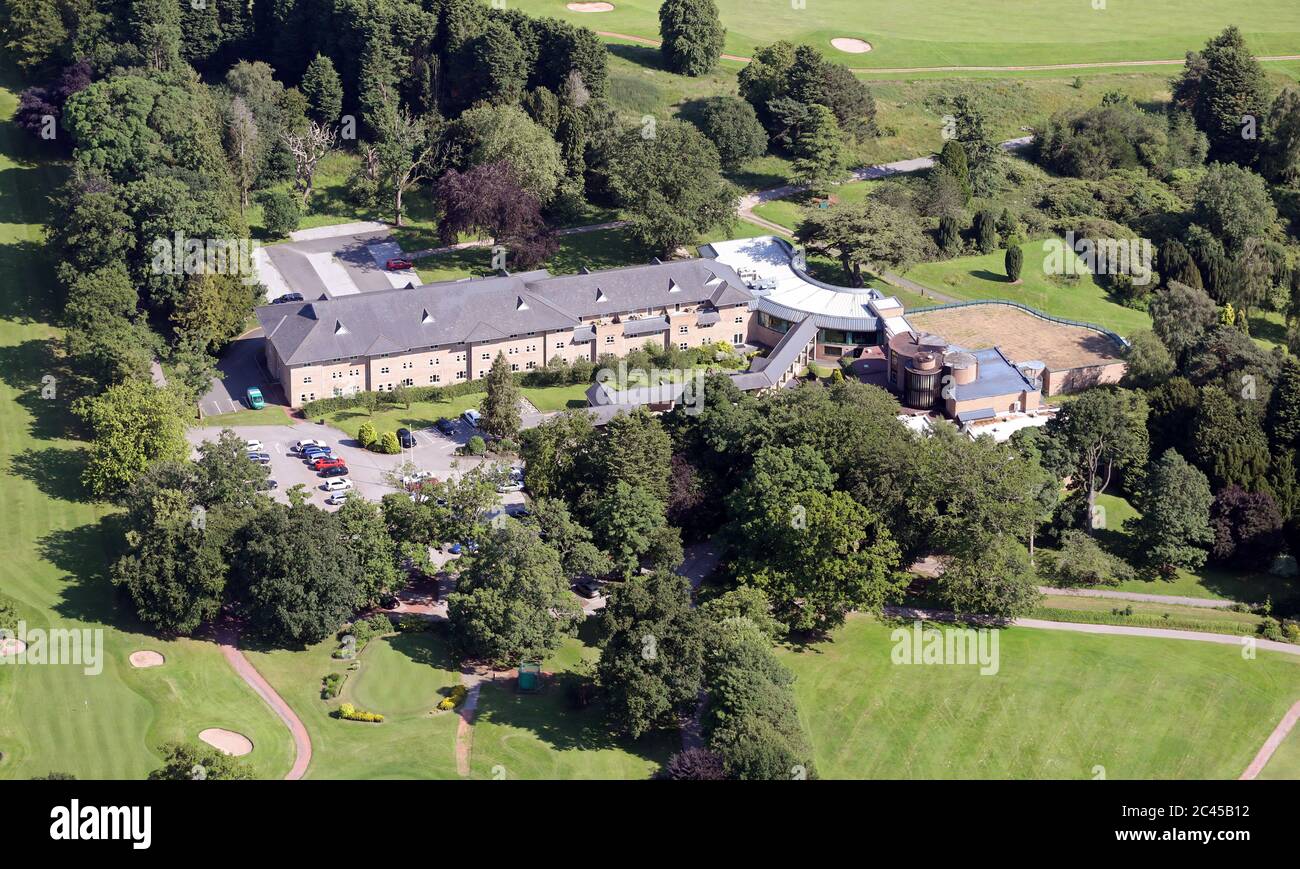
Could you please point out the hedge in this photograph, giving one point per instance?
(352, 713)
(457, 697)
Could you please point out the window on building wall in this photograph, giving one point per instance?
(311, 396)
(460, 375)
(683, 330)
(485, 356)
(685, 345)
(434, 378)
(740, 319)
(307, 379)
(410, 381)
(338, 391)
(737, 338)
(514, 366)
(559, 345)
(531, 364)
(609, 339)
(384, 370)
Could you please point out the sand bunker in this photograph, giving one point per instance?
(227, 741)
(850, 45)
(144, 659)
(11, 646)
(590, 7)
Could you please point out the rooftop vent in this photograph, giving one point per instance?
(600, 295)
(674, 287)
(339, 328)
(520, 304)
(426, 318)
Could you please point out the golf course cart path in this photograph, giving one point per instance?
(1098, 64)
(301, 741)
(1270, 745)
(1180, 600)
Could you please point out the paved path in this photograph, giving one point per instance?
(1138, 596)
(905, 612)
(1101, 64)
(700, 560)
(473, 680)
(227, 640)
(1271, 744)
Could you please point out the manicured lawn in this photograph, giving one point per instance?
(543, 736)
(57, 547)
(403, 677)
(914, 33)
(1285, 762)
(1060, 706)
(984, 277)
(423, 414)
(272, 414)
(788, 212)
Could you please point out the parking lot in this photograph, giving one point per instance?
(433, 452)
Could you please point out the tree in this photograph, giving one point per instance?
(1100, 432)
(1223, 88)
(1177, 265)
(175, 572)
(1247, 529)
(1014, 260)
(1080, 561)
(819, 159)
(405, 148)
(1181, 316)
(323, 89)
(513, 603)
(627, 522)
(996, 581)
(1149, 361)
(952, 158)
(500, 406)
(732, 125)
(388, 444)
(1228, 443)
(155, 27)
(1280, 159)
(1233, 204)
(692, 34)
(671, 185)
(554, 453)
(294, 595)
(242, 146)
(1173, 530)
(500, 65)
(281, 212)
(1283, 420)
(224, 475)
(986, 231)
(651, 662)
(132, 424)
(970, 130)
(184, 761)
(578, 553)
(489, 199)
(748, 603)
(949, 235)
(694, 764)
(869, 235)
(505, 134)
(362, 529)
(367, 435)
(308, 147)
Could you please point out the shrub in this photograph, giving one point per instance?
(454, 699)
(476, 446)
(1082, 561)
(1015, 259)
(352, 713)
(388, 444)
(330, 685)
(280, 212)
(366, 435)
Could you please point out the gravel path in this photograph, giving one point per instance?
(1138, 596)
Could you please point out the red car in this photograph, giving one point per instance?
(397, 265)
(323, 463)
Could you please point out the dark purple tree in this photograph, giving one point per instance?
(1247, 528)
(488, 199)
(37, 103)
(694, 764)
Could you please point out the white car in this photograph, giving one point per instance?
(472, 417)
(254, 447)
(337, 498)
(338, 484)
(417, 477)
(298, 447)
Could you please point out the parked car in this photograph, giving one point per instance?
(334, 472)
(254, 446)
(260, 458)
(311, 454)
(511, 485)
(322, 463)
(287, 297)
(445, 426)
(588, 588)
(255, 400)
(397, 264)
(269, 485)
(337, 485)
(301, 446)
(405, 438)
(472, 417)
(337, 498)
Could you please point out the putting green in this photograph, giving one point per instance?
(926, 33)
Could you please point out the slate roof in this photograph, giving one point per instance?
(487, 309)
